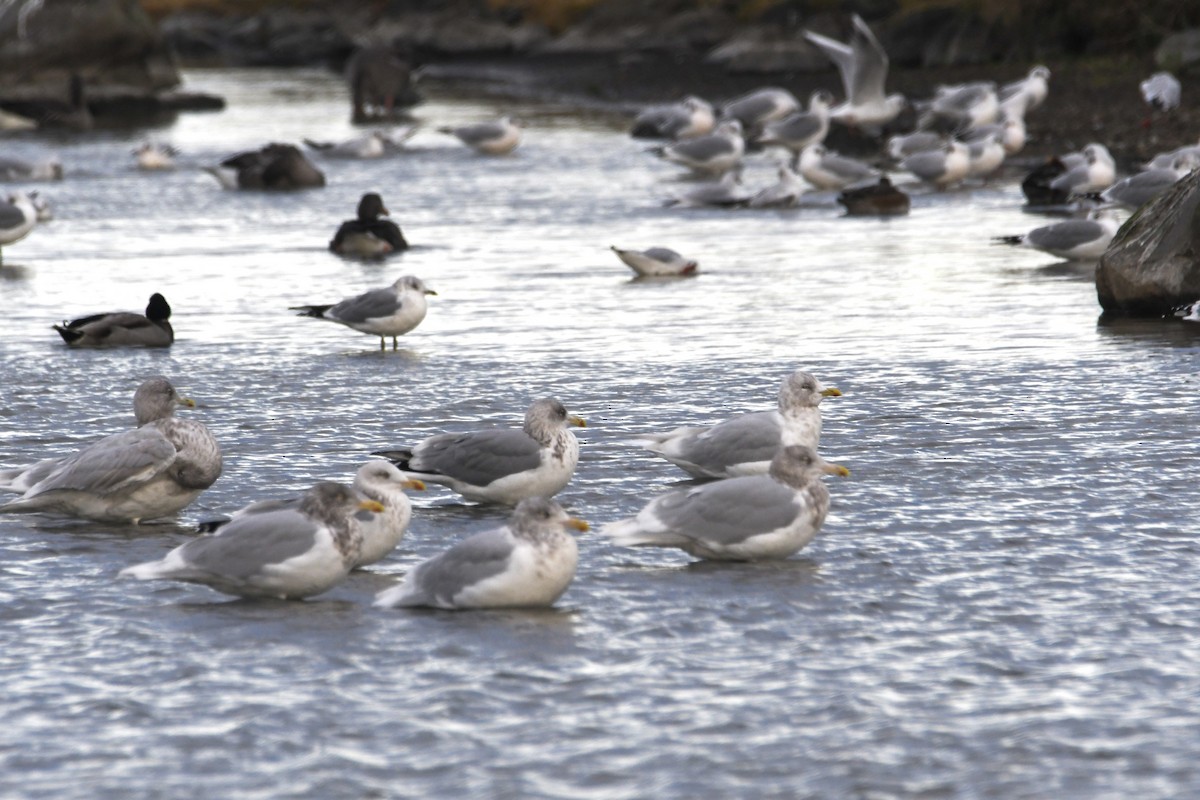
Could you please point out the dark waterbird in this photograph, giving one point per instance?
(122, 328)
(367, 235)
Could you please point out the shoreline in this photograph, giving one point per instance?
(1088, 100)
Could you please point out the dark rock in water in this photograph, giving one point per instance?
(1153, 263)
(1037, 185)
(381, 83)
(65, 62)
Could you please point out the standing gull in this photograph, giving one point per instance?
(289, 553)
(784, 193)
(863, 66)
(502, 465)
(495, 138)
(801, 128)
(1074, 239)
(828, 170)
(751, 518)
(122, 328)
(391, 311)
(941, 168)
(152, 471)
(1139, 189)
(656, 262)
(745, 444)
(528, 563)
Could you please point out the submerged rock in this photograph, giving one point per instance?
(1153, 263)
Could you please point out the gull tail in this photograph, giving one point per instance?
(311, 311)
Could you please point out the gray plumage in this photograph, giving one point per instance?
(150, 472)
(739, 519)
(1082, 239)
(759, 107)
(495, 137)
(1161, 91)
(746, 443)
(501, 465)
(287, 552)
(122, 328)
(390, 311)
(529, 562)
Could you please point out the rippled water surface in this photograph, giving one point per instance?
(1002, 604)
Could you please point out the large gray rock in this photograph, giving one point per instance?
(1153, 263)
(106, 42)
(1180, 51)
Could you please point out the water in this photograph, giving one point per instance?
(1001, 604)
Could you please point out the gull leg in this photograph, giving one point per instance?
(382, 343)
(395, 344)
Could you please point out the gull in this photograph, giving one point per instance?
(984, 156)
(1161, 91)
(1073, 239)
(122, 328)
(1166, 160)
(690, 117)
(724, 193)
(906, 144)
(963, 107)
(371, 145)
(151, 156)
(656, 262)
(757, 108)
(940, 167)
(288, 553)
(784, 193)
(1010, 132)
(745, 444)
(1139, 189)
(500, 465)
(750, 518)
(527, 563)
(390, 311)
(1095, 172)
(42, 206)
(493, 138)
(152, 471)
(715, 153)
(863, 67)
(1020, 96)
(18, 217)
(825, 169)
(376, 480)
(14, 169)
(800, 128)
(368, 236)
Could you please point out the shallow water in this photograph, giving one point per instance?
(1001, 604)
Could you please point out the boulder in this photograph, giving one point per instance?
(1180, 52)
(1153, 263)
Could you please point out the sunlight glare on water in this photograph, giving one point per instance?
(1001, 603)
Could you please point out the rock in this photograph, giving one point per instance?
(1153, 263)
(1179, 52)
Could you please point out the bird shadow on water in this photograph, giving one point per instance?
(1168, 331)
(15, 272)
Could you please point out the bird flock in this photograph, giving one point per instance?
(759, 491)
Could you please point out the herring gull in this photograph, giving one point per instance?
(745, 444)
(289, 552)
(152, 471)
(500, 465)
(527, 563)
(751, 518)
